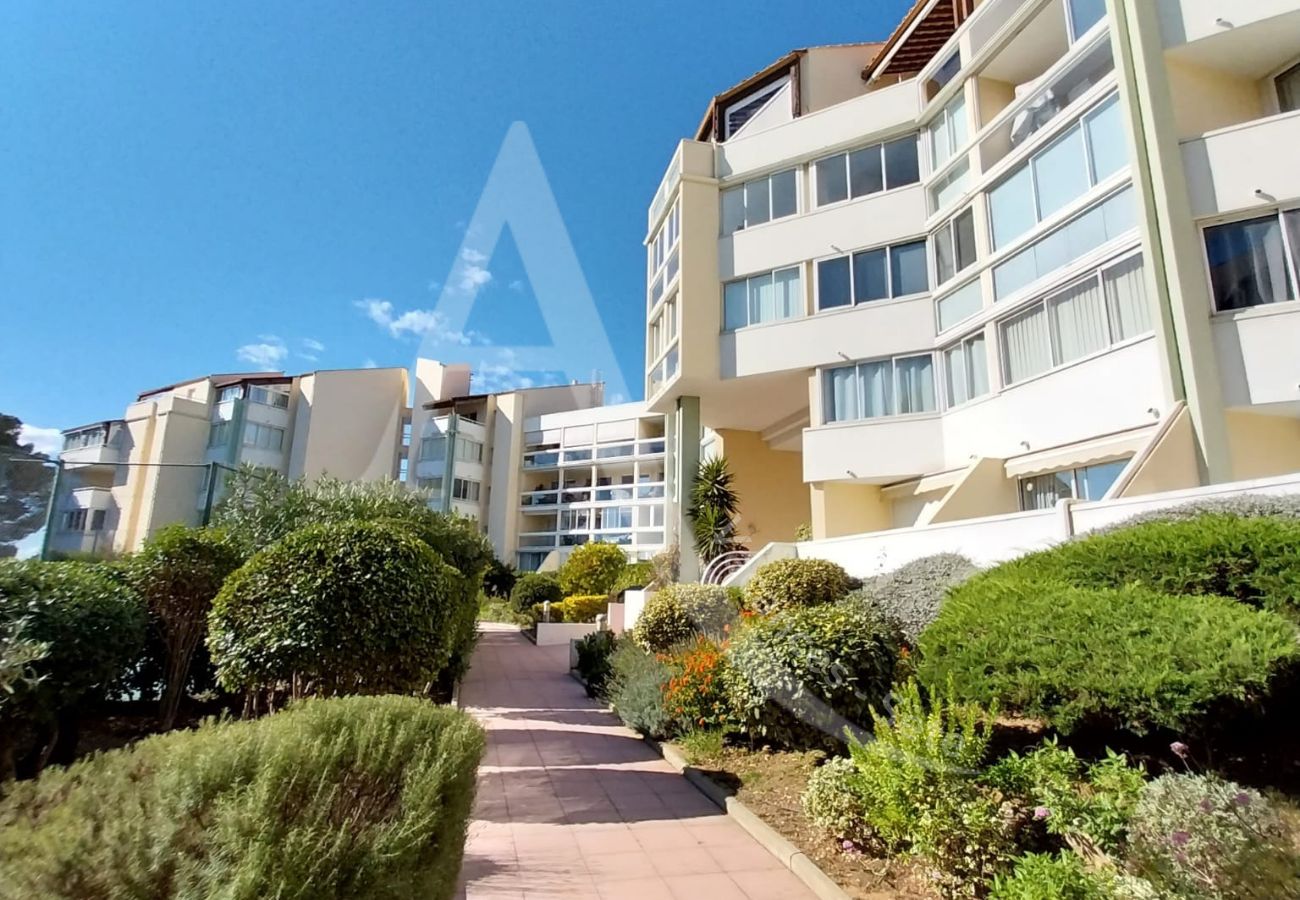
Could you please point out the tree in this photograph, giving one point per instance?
(592, 569)
(25, 486)
(713, 508)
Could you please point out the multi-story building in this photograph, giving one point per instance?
(542, 469)
(1023, 250)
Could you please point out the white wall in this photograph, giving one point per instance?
(1226, 167)
(1258, 352)
(1183, 21)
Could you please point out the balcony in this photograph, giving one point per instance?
(1226, 168)
(107, 454)
(1185, 22)
(1256, 352)
(98, 445)
(874, 450)
(548, 499)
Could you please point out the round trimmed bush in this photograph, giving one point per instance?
(592, 569)
(680, 612)
(584, 607)
(1127, 658)
(800, 677)
(791, 583)
(912, 595)
(534, 589)
(359, 607)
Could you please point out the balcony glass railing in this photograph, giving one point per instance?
(616, 451)
(571, 456)
(649, 491)
(585, 494)
(541, 459)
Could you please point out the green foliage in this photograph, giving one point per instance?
(177, 574)
(700, 745)
(490, 610)
(833, 803)
(679, 612)
(1252, 560)
(18, 654)
(912, 595)
(534, 589)
(634, 577)
(91, 626)
(592, 569)
(594, 652)
(667, 565)
(712, 511)
(918, 780)
(499, 579)
(636, 689)
(799, 677)
(360, 607)
(1042, 876)
(696, 695)
(25, 486)
(1242, 506)
(790, 583)
(1203, 838)
(356, 797)
(583, 607)
(1126, 658)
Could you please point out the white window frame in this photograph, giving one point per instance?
(848, 175)
(854, 302)
(1290, 253)
(990, 386)
(253, 437)
(1275, 77)
(467, 486)
(893, 360)
(743, 188)
(955, 151)
(767, 92)
(662, 253)
(75, 519)
(749, 302)
(1074, 481)
(950, 225)
(1071, 38)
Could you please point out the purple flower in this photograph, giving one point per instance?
(1179, 838)
(1179, 748)
(1041, 813)
(1242, 799)
(1206, 805)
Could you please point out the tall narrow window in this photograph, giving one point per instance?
(966, 370)
(901, 163)
(1288, 89)
(834, 283)
(954, 245)
(1248, 265)
(832, 180)
(1126, 299)
(866, 171)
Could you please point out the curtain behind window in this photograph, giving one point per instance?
(915, 384)
(1247, 263)
(877, 388)
(841, 395)
(1026, 345)
(1126, 296)
(1079, 320)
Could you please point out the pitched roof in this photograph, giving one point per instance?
(924, 30)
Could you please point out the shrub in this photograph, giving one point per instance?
(343, 798)
(798, 678)
(353, 608)
(696, 695)
(679, 612)
(177, 574)
(17, 655)
(1253, 560)
(634, 577)
(536, 588)
(789, 583)
(91, 627)
(584, 607)
(1127, 658)
(1060, 877)
(592, 569)
(1202, 837)
(912, 594)
(594, 652)
(490, 610)
(832, 803)
(1243, 506)
(712, 510)
(636, 689)
(499, 579)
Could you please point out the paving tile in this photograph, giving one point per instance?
(713, 887)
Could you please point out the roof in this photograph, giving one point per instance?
(474, 398)
(924, 30)
(104, 424)
(221, 380)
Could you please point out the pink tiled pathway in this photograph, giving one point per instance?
(571, 804)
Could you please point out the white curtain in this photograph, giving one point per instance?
(789, 297)
(877, 388)
(915, 384)
(1126, 297)
(841, 400)
(1026, 346)
(977, 366)
(1078, 317)
(954, 367)
(762, 299)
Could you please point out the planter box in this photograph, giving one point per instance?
(550, 634)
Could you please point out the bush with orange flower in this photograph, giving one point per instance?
(695, 695)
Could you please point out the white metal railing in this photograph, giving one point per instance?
(608, 452)
(720, 567)
(613, 493)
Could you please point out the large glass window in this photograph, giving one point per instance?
(950, 187)
(469, 450)
(877, 274)
(663, 254)
(759, 201)
(464, 489)
(943, 75)
(868, 170)
(219, 434)
(961, 304)
(948, 133)
(433, 447)
(966, 371)
(1288, 89)
(263, 437)
(954, 245)
(268, 397)
(769, 297)
(1083, 15)
(1084, 483)
(884, 387)
(1253, 262)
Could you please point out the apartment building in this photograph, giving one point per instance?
(1021, 251)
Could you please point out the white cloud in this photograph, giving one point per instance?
(267, 354)
(473, 270)
(43, 440)
(493, 377)
(370, 364)
(312, 345)
(517, 285)
(416, 322)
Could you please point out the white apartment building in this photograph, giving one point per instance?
(1023, 250)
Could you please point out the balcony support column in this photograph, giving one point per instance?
(682, 446)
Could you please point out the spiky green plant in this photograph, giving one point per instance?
(714, 504)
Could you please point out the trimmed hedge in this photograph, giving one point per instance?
(343, 798)
(361, 607)
(912, 595)
(592, 569)
(680, 612)
(791, 583)
(799, 677)
(583, 607)
(1242, 506)
(534, 589)
(1128, 658)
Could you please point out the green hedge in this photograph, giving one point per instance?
(912, 594)
(536, 588)
(791, 583)
(592, 569)
(344, 798)
(635, 576)
(1127, 658)
(680, 612)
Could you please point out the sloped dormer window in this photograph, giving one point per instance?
(737, 114)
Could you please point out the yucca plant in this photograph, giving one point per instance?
(713, 508)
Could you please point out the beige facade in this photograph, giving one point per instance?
(1050, 249)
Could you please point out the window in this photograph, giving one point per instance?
(663, 254)
(868, 170)
(878, 388)
(948, 133)
(1106, 307)
(430, 484)
(1253, 262)
(74, 520)
(80, 440)
(759, 201)
(740, 112)
(267, 397)
(1062, 172)
(433, 447)
(469, 450)
(464, 489)
(961, 304)
(614, 517)
(944, 74)
(954, 245)
(878, 274)
(263, 437)
(1084, 483)
(97, 518)
(230, 393)
(770, 297)
(1083, 15)
(951, 186)
(219, 434)
(1288, 89)
(965, 369)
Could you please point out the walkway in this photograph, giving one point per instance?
(571, 804)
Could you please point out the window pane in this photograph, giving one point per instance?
(832, 180)
(945, 263)
(733, 210)
(833, 285)
(901, 164)
(785, 197)
(1078, 316)
(1288, 89)
(757, 203)
(1106, 141)
(1126, 299)
(841, 400)
(964, 234)
(954, 369)
(1011, 208)
(789, 296)
(735, 304)
(958, 132)
(940, 142)
(908, 273)
(915, 384)
(977, 366)
(762, 299)
(870, 276)
(865, 173)
(950, 187)
(1060, 173)
(1247, 263)
(1042, 491)
(1095, 481)
(1025, 347)
(1084, 14)
(960, 304)
(877, 388)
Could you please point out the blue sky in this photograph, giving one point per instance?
(197, 187)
